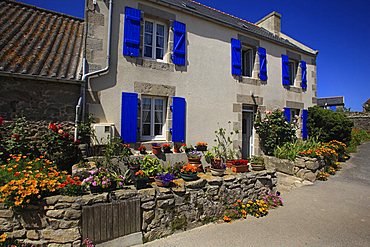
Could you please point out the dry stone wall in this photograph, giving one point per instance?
(57, 222)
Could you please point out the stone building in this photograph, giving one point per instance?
(40, 62)
(179, 70)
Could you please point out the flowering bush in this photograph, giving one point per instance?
(87, 243)
(103, 178)
(188, 169)
(323, 176)
(274, 131)
(24, 180)
(71, 186)
(273, 200)
(237, 210)
(257, 208)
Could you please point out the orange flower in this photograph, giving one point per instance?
(226, 218)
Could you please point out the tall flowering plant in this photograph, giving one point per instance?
(102, 178)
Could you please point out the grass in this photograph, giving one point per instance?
(358, 137)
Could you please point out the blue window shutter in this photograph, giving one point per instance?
(236, 56)
(263, 63)
(179, 43)
(178, 119)
(285, 69)
(304, 75)
(129, 117)
(131, 40)
(287, 114)
(304, 124)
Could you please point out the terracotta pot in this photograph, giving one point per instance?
(239, 169)
(229, 163)
(176, 150)
(201, 148)
(217, 172)
(167, 150)
(156, 150)
(99, 189)
(197, 163)
(258, 167)
(160, 183)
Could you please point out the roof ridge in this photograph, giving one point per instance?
(224, 13)
(44, 10)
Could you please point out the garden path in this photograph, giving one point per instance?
(331, 213)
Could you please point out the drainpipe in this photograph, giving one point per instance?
(85, 77)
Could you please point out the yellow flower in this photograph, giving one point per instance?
(3, 237)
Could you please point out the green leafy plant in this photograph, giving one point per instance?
(150, 166)
(258, 160)
(327, 125)
(274, 131)
(85, 131)
(358, 137)
(224, 144)
(291, 150)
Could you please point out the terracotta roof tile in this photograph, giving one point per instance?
(39, 42)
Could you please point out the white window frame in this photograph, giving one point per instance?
(154, 40)
(292, 77)
(153, 137)
(252, 60)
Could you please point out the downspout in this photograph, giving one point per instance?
(86, 77)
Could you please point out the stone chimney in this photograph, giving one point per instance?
(271, 22)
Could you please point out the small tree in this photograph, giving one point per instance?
(327, 125)
(274, 131)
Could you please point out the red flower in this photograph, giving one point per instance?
(77, 141)
(52, 127)
(66, 135)
(16, 137)
(17, 174)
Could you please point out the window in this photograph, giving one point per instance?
(293, 66)
(155, 39)
(294, 113)
(153, 112)
(247, 61)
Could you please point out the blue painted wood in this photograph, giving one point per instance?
(304, 124)
(285, 69)
(236, 57)
(178, 119)
(179, 43)
(129, 117)
(131, 39)
(287, 114)
(263, 63)
(304, 75)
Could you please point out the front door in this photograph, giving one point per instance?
(247, 131)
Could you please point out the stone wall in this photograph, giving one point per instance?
(303, 167)
(37, 99)
(361, 120)
(57, 222)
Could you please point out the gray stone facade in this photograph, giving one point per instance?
(361, 120)
(38, 99)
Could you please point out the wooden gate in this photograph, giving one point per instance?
(104, 222)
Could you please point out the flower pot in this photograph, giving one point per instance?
(258, 167)
(217, 172)
(156, 150)
(160, 183)
(239, 169)
(141, 183)
(99, 189)
(167, 150)
(189, 177)
(197, 163)
(229, 163)
(201, 148)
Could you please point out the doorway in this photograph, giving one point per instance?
(247, 131)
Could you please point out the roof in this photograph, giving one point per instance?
(40, 42)
(331, 101)
(230, 20)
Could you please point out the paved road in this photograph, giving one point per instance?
(331, 213)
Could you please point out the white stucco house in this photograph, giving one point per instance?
(177, 70)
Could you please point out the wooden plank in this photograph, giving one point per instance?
(84, 224)
(103, 223)
(122, 215)
(115, 216)
(90, 223)
(132, 219)
(96, 225)
(109, 221)
(138, 216)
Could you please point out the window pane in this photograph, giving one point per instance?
(160, 42)
(159, 53)
(160, 30)
(148, 27)
(148, 51)
(158, 104)
(146, 130)
(148, 40)
(158, 129)
(146, 103)
(146, 117)
(158, 117)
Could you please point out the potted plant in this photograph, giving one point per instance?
(201, 146)
(150, 166)
(217, 167)
(224, 145)
(166, 148)
(141, 179)
(194, 158)
(142, 149)
(156, 149)
(101, 180)
(187, 148)
(177, 148)
(239, 166)
(188, 172)
(164, 179)
(257, 163)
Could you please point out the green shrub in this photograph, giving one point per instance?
(358, 137)
(327, 125)
(274, 131)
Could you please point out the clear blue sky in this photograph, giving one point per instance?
(340, 30)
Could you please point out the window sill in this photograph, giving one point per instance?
(294, 89)
(250, 81)
(153, 64)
